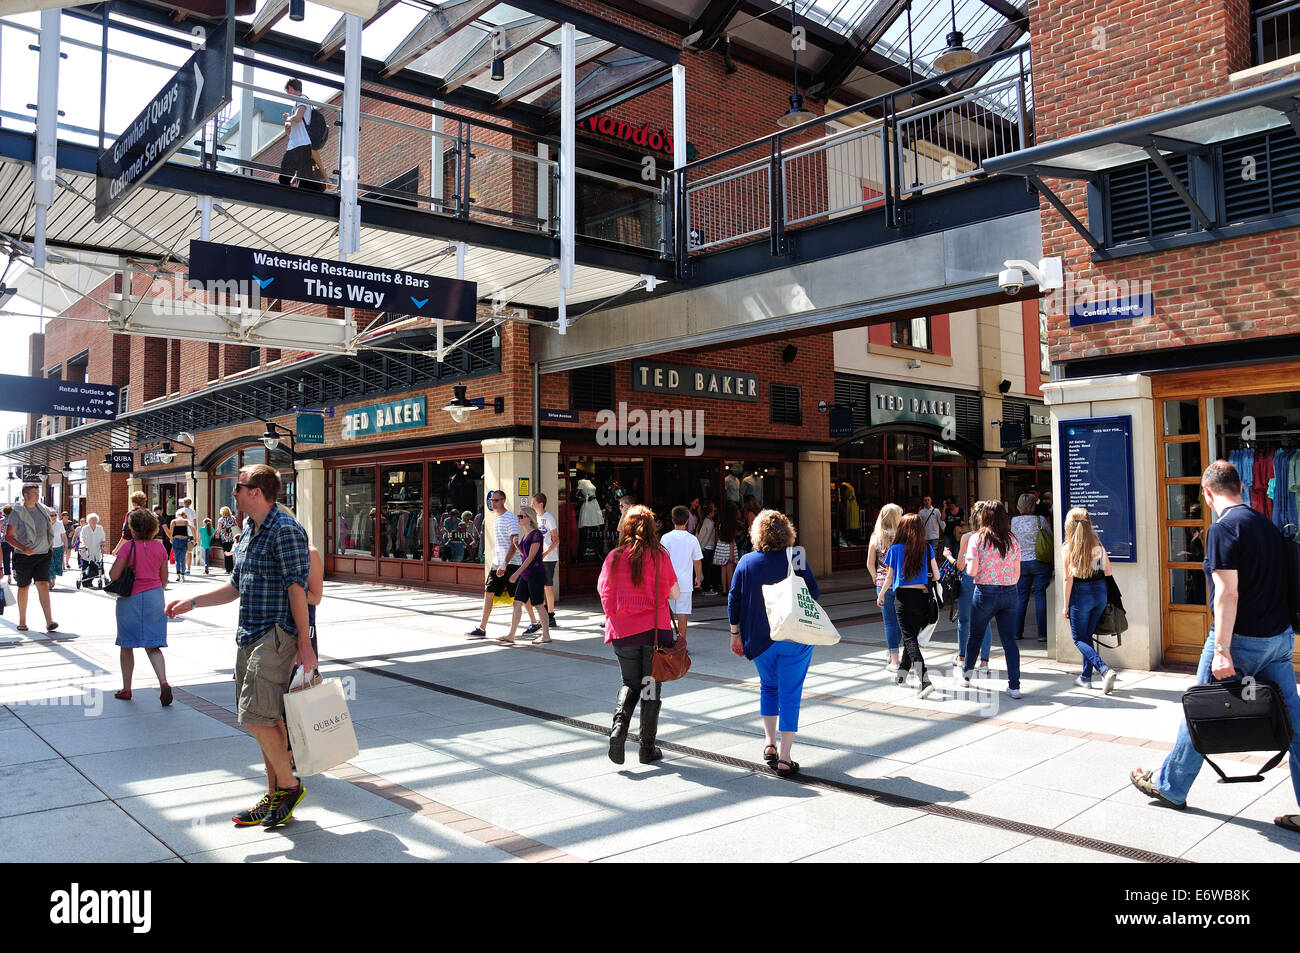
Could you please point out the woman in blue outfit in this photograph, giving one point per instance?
(994, 564)
(882, 537)
(1035, 574)
(781, 666)
(910, 566)
(1086, 567)
(966, 598)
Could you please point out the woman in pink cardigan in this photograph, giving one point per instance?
(635, 585)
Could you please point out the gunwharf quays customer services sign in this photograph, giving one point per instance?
(338, 283)
(694, 381)
(382, 418)
(1097, 474)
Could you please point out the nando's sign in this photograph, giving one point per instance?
(656, 140)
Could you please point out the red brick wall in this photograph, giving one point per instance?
(1101, 64)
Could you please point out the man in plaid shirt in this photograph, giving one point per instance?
(270, 582)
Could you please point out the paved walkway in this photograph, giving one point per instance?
(473, 751)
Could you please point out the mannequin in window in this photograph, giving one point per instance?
(851, 513)
(731, 487)
(591, 521)
(752, 485)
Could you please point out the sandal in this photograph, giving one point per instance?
(124, 694)
(51, 627)
(771, 759)
(1289, 821)
(1144, 784)
(22, 628)
(790, 771)
(505, 641)
(166, 695)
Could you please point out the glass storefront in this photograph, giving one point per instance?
(225, 475)
(1029, 468)
(901, 468)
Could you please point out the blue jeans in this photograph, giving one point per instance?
(781, 670)
(995, 602)
(179, 545)
(1267, 659)
(964, 601)
(1035, 575)
(1087, 600)
(889, 614)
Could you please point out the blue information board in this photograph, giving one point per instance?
(1097, 473)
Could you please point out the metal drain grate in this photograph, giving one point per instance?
(858, 790)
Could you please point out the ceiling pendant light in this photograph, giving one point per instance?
(797, 114)
(955, 55)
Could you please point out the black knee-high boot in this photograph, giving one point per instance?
(649, 729)
(627, 698)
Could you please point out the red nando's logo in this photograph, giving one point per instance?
(658, 140)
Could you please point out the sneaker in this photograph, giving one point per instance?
(535, 627)
(1013, 692)
(900, 678)
(965, 678)
(1083, 682)
(1108, 682)
(477, 634)
(282, 805)
(926, 690)
(254, 815)
(891, 667)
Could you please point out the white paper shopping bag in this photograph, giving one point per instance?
(320, 727)
(793, 615)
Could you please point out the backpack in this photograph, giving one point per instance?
(318, 129)
(1291, 575)
(1043, 544)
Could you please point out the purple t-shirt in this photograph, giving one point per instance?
(535, 569)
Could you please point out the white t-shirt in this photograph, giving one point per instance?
(191, 517)
(1025, 529)
(548, 527)
(298, 135)
(683, 549)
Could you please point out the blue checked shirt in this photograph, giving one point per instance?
(267, 562)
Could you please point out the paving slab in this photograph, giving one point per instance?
(1137, 825)
(1005, 754)
(168, 726)
(174, 766)
(42, 786)
(768, 838)
(928, 839)
(86, 833)
(20, 744)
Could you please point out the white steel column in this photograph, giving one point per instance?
(435, 157)
(246, 143)
(349, 213)
(205, 217)
(47, 128)
(679, 115)
(568, 145)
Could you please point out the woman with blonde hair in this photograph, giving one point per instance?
(966, 598)
(782, 666)
(635, 584)
(529, 579)
(1086, 567)
(227, 534)
(882, 537)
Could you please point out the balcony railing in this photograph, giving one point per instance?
(799, 176)
(1276, 29)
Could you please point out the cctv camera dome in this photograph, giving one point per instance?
(1011, 280)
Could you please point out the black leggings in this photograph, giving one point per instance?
(913, 609)
(635, 662)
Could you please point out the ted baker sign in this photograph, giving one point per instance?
(891, 404)
(693, 381)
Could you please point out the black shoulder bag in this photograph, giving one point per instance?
(123, 584)
(1240, 714)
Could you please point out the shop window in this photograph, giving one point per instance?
(908, 446)
(871, 447)
(591, 388)
(456, 503)
(401, 516)
(912, 332)
(1183, 459)
(786, 407)
(596, 485)
(353, 529)
(1182, 418)
(857, 498)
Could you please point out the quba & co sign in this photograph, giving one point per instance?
(658, 140)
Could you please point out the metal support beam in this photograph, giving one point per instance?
(1056, 203)
(349, 155)
(334, 40)
(1178, 186)
(1164, 144)
(205, 217)
(568, 156)
(45, 168)
(271, 13)
(438, 24)
(546, 69)
(516, 38)
(679, 116)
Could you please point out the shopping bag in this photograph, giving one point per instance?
(793, 615)
(319, 724)
(6, 596)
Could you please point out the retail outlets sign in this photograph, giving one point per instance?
(1112, 309)
(385, 418)
(694, 381)
(40, 395)
(189, 99)
(1097, 474)
(890, 404)
(337, 283)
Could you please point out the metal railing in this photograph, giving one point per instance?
(912, 145)
(1276, 30)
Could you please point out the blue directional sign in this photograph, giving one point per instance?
(40, 395)
(1113, 309)
(1097, 474)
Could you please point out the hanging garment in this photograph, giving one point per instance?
(589, 512)
(849, 505)
(1263, 472)
(752, 485)
(731, 488)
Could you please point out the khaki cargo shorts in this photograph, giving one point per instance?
(262, 672)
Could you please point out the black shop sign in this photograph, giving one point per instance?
(685, 381)
(341, 284)
(41, 395)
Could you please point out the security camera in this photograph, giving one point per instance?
(1011, 280)
(1048, 274)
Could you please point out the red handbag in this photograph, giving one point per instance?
(671, 662)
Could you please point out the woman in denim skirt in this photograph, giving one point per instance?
(141, 623)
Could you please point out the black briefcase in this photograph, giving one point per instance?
(1238, 715)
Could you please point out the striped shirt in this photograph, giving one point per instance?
(268, 560)
(505, 526)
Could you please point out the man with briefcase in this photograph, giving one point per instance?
(1246, 565)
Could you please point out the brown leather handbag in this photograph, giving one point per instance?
(670, 662)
